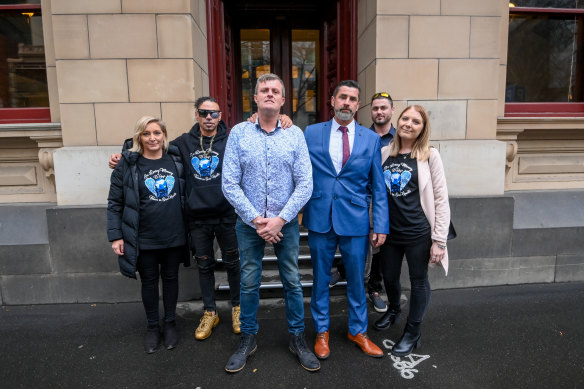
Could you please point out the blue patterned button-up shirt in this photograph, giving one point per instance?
(266, 173)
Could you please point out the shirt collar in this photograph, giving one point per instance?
(259, 127)
(350, 127)
(390, 134)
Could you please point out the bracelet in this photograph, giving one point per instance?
(440, 245)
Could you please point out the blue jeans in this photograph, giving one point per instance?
(251, 253)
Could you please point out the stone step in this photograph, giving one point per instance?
(270, 276)
(273, 258)
(271, 280)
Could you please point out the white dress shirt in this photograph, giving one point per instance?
(336, 144)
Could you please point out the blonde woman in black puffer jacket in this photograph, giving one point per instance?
(145, 223)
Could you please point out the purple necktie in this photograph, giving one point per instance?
(346, 149)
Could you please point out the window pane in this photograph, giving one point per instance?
(23, 76)
(6, 2)
(544, 60)
(549, 3)
(305, 62)
(255, 61)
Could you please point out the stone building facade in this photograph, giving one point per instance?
(515, 182)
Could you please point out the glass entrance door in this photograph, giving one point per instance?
(255, 61)
(294, 55)
(305, 61)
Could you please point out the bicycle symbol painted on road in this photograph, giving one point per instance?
(405, 365)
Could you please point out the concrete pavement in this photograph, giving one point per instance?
(527, 336)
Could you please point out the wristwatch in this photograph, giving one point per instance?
(440, 245)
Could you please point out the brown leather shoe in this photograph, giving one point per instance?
(321, 347)
(365, 344)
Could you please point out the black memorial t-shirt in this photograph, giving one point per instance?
(408, 222)
(161, 221)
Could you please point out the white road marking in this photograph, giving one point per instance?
(405, 365)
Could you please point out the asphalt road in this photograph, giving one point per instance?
(527, 336)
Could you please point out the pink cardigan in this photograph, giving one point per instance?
(433, 196)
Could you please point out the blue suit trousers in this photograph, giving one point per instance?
(354, 251)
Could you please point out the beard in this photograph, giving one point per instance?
(344, 116)
(381, 121)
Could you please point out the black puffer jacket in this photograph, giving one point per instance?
(123, 208)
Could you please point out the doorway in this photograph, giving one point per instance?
(297, 40)
(291, 53)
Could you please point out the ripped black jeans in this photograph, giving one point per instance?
(202, 237)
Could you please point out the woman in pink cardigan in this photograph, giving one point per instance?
(419, 220)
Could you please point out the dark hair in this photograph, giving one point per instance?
(201, 100)
(383, 95)
(350, 84)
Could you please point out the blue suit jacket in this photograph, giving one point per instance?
(342, 201)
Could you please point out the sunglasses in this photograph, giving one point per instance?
(205, 112)
(381, 94)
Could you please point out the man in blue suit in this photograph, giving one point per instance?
(348, 179)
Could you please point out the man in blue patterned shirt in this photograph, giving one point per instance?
(267, 177)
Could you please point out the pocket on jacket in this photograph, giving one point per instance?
(359, 201)
(316, 195)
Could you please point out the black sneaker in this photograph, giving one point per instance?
(378, 304)
(247, 346)
(299, 348)
(170, 335)
(152, 339)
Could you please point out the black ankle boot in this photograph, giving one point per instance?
(305, 356)
(387, 320)
(152, 339)
(170, 335)
(247, 346)
(411, 339)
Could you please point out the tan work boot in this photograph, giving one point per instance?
(208, 322)
(235, 312)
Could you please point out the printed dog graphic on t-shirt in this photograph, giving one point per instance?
(160, 183)
(396, 179)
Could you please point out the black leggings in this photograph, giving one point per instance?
(163, 263)
(417, 255)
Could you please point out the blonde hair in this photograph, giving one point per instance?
(421, 147)
(141, 125)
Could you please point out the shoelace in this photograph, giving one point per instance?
(244, 343)
(301, 344)
(321, 335)
(206, 322)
